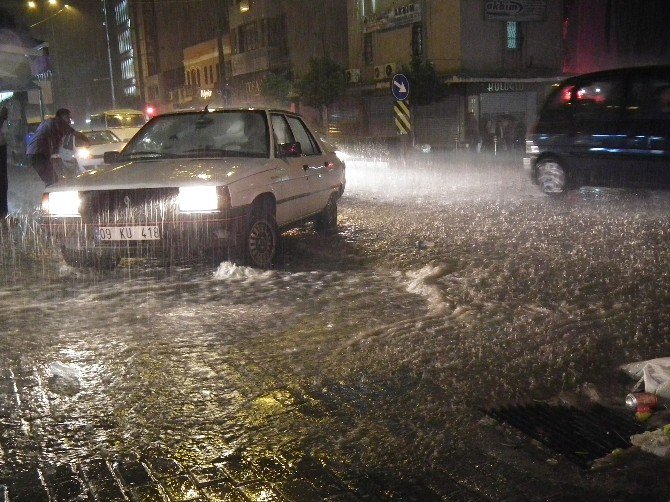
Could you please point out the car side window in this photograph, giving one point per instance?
(281, 129)
(598, 100)
(649, 98)
(301, 134)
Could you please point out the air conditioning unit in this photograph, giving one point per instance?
(380, 74)
(390, 69)
(353, 75)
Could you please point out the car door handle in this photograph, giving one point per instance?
(305, 167)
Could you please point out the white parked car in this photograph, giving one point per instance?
(199, 183)
(81, 158)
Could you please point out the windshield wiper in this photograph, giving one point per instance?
(149, 155)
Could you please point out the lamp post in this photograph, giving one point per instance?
(32, 5)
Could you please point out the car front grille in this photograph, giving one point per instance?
(132, 206)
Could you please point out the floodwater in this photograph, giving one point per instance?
(452, 285)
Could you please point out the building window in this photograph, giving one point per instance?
(211, 74)
(368, 55)
(417, 39)
(197, 76)
(248, 37)
(206, 76)
(513, 35)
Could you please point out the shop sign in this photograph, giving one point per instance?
(515, 10)
(393, 18)
(205, 93)
(504, 87)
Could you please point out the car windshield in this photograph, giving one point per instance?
(101, 137)
(206, 134)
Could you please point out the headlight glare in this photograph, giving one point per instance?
(198, 199)
(62, 203)
(83, 153)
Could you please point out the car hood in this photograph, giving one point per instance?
(163, 173)
(106, 147)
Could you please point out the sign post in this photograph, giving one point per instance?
(401, 111)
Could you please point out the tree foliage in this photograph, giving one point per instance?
(323, 83)
(278, 87)
(425, 86)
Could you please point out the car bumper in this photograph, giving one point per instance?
(529, 166)
(185, 236)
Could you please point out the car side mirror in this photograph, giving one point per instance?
(290, 149)
(111, 157)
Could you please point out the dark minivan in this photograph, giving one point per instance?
(609, 128)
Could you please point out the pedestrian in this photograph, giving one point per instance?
(46, 141)
(4, 209)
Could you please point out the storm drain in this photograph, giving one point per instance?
(582, 436)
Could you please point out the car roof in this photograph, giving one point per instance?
(230, 109)
(614, 72)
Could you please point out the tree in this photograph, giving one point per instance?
(322, 85)
(278, 87)
(424, 83)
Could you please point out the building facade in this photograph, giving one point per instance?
(496, 59)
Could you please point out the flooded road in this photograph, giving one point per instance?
(452, 285)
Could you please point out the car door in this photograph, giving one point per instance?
(598, 146)
(313, 164)
(648, 113)
(290, 179)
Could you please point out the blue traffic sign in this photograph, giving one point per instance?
(400, 86)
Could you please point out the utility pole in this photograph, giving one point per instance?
(222, 25)
(109, 53)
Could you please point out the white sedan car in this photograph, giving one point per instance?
(199, 183)
(81, 158)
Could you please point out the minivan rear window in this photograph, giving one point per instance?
(598, 100)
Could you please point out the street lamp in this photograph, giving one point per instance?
(62, 9)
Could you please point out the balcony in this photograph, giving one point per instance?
(262, 59)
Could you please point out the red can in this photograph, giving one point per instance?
(641, 400)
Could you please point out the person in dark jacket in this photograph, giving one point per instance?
(46, 141)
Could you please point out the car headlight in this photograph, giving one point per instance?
(203, 199)
(61, 203)
(83, 153)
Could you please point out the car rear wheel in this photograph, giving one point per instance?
(551, 177)
(326, 220)
(261, 238)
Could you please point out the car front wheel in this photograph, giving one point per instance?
(551, 177)
(261, 239)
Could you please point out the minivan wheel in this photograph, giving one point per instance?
(551, 177)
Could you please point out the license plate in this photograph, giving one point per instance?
(134, 233)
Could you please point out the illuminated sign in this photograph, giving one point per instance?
(515, 10)
(504, 86)
(393, 18)
(205, 93)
